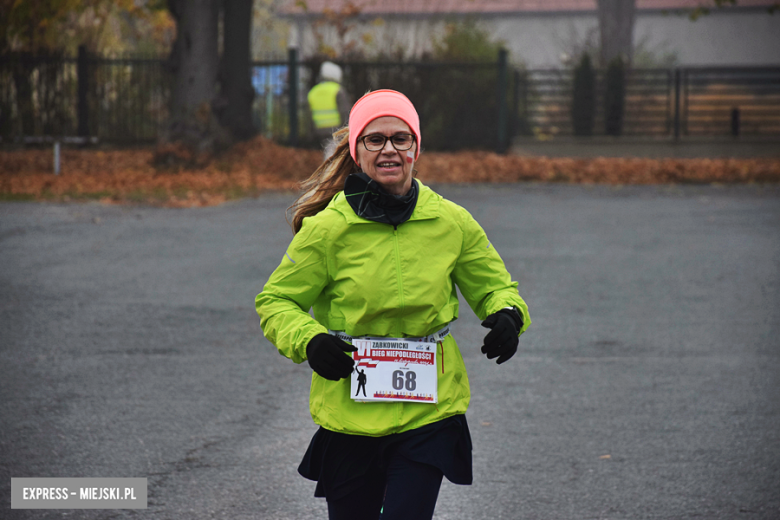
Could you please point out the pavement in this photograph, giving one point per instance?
(646, 388)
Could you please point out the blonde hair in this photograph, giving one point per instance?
(326, 181)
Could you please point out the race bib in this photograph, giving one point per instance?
(389, 369)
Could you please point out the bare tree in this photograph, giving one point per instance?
(194, 62)
(616, 25)
(234, 102)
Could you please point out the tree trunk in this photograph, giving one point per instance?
(234, 103)
(194, 62)
(616, 24)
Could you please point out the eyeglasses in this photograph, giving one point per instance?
(376, 142)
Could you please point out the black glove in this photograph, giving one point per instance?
(327, 356)
(501, 342)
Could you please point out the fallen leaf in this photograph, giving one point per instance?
(130, 176)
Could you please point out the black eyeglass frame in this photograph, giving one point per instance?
(386, 138)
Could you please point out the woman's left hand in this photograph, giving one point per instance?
(501, 342)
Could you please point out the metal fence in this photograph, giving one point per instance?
(37, 96)
(427, 84)
(677, 102)
(458, 103)
(545, 109)
(128, 99)
(461, 105)
(116, 100)
(717, 101)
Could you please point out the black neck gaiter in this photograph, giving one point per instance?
(369, 200)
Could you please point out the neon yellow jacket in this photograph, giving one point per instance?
(323, 104)
(369, 279)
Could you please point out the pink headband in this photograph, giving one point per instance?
(380, 103)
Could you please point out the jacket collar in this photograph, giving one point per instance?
(427, 206)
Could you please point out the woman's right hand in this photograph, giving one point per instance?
(326, 355)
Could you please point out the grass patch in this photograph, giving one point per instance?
(17, 197)
(97, 195)
(136, 196)
(237, 192)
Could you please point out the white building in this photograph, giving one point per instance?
(542, 33)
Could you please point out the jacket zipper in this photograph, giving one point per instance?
(399, 406)
(398, 267)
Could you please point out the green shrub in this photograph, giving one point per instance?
(466, 41)
(454, 89)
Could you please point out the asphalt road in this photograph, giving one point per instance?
(648, 386)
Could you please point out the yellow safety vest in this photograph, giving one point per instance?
(322, 102)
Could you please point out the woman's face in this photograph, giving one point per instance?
(389, 167)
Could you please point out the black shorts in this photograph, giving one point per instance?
(339, 461)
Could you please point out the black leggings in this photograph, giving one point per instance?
(407, 491)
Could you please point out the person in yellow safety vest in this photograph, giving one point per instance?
(329, 104)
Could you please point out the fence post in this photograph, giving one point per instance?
(501, 144)
(82, 73)
(514, 124)
(269, 104)
(292, 78)
(56, 157)
(677, 86)
(735, 121)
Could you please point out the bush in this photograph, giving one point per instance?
(453, 89)
(583, 107)
(614, 97)
(466, 41)
(461, 111)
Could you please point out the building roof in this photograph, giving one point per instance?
(412, 7)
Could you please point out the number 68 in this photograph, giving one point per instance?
(410, 381)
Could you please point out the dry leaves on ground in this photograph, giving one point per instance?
(128, 176)
(491, 167)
